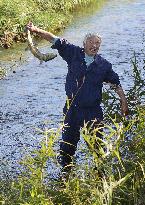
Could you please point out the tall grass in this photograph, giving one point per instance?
(114, 177)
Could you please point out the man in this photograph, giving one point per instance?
(86, 73)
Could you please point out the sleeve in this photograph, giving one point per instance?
(54, 40)
(111, 77)
(65, 49)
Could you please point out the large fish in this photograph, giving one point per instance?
(34, 50)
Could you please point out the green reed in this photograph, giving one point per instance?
(115, 177)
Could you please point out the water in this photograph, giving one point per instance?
(33, 97)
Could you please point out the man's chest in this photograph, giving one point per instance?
(93, 73)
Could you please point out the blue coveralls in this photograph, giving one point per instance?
(84, 90)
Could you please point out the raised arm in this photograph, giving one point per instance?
(65, 49)
(44, 34)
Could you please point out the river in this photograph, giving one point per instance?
(32, 98)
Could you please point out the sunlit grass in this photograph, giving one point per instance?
(51, 15)
(105, 180)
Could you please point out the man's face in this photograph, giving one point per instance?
(92, 45)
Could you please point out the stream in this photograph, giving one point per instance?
(32, 97)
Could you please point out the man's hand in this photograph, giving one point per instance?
(124, 108)
(30, 26)
(124, 105)
(44, 34)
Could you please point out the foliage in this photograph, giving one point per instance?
(50, 15)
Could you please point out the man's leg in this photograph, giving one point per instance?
(94, 118)
(68, 146)
(95, 129)
(70, 137)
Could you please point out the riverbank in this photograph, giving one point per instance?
(50, 15)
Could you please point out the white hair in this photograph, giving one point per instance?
(89, 35)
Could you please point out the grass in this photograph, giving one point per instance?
(115, 178)
(50, 15)
(118, 179)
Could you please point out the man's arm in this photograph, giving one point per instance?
(44, 34)
(65, 49)
(113, 79)
(124, 105)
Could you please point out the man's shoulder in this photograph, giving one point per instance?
(102, 61)
(99, 58)
(66, 49)
(65, 42)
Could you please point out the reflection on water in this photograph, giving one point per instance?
(34, 96)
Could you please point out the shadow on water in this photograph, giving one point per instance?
(33, 97)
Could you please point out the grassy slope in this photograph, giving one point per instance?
(48, 14)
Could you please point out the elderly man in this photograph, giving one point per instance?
(87, 71)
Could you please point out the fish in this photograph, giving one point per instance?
(35, 51)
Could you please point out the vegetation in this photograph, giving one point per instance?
(115, 178)
(47, 14)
